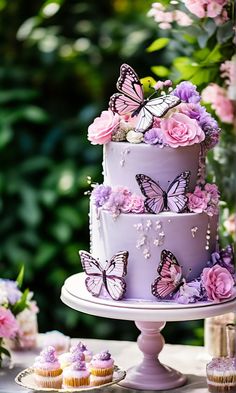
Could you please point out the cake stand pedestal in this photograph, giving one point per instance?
(149, 318)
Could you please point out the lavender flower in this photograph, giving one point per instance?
(12, 291)
(187, 92)
(190, 292)
(101, 195)
(224, 258)
(154, 136)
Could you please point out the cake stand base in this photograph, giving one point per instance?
(150, 374)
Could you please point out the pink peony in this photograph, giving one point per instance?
(197, 202)
(182, 19)
(8, 324)
(218, 282)
(102, 128)
(197, 7)
(180, 130)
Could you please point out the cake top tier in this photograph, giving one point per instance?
(156, 115)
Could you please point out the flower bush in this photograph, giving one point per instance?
(13, 302)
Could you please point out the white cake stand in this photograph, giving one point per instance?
(150, 374)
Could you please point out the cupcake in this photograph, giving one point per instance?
(76, 375)
(101, 368)
(67, 358)
(58, 340)
(221, 375)
(47, 369)
(82, 348)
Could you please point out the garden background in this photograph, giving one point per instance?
(59, 65)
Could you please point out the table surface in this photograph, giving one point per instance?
(189, 360)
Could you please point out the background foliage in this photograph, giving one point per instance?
(59, 65)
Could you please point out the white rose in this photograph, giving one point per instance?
(134, 137)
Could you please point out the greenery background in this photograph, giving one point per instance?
(59, 66)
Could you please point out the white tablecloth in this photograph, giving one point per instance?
(189, 360)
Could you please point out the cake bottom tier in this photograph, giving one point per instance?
(191, 237)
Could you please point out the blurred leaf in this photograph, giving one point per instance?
(148, 82)
(46, 252)
(21, 304)
(158, 44)
(160, 71)
(225, 32)
(34, 114)
(210, 26)
(6, 135)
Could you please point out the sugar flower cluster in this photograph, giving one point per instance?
(117, 200)
(186, 124)
(204, 199)
(215, 283)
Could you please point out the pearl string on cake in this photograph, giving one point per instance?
(201, 174)
(208, 236)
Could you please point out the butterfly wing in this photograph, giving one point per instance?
(169, 276)
(176, 193)
(129, 84)
(145, 120)
(92, 268)
(115, 270)
(122, 104)
(154, 202)
(159, 106)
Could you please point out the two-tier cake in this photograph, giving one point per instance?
(153, 222)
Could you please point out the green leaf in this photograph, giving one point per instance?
(225, 32)
(148, 82)
(6, 135)
(158, 44)
(160, 71)
(21, 304)
(5, 352)
(210, 27)
(20, 276)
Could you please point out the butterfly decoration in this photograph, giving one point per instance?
(157, 199)
(109, 276)
(131, 100)
(170, 276)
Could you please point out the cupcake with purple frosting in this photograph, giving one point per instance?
(76, 375)
(84, 349)
(47, 369)
(67, 358)
(101, 368)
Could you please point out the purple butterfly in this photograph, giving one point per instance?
(132, 100)
(157, 199)
(169, 278)
(110, 277)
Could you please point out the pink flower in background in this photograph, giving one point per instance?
(180, 130)
(217, 97)
(182, 19)
(8, 324)
(205, 8)
(102, 128)
(218, 282)
(197, 202)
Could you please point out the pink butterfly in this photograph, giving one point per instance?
(110, 277)
(157, 199)
(169, 278)
(132, 100)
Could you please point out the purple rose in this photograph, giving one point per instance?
(197, 202)
(187, 92)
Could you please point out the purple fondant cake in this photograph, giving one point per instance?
(154, 220)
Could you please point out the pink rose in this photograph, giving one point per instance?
(8, 324)
(197, 202)
(218, 282)
(137, 204)
(102, 128)
(180, 130)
